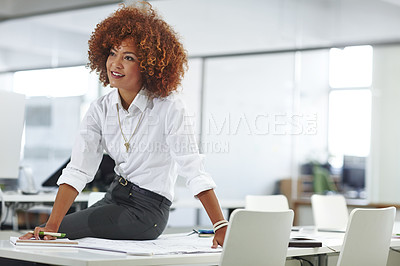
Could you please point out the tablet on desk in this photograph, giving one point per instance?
(59, 242)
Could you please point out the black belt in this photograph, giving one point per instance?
(143, 191)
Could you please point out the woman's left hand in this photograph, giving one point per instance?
(219, 237)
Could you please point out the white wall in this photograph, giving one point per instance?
(384, 175)
(313, 89)
(246, 129)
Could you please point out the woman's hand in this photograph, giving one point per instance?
(65, 197)
(219, 237)
(36, 233)
(211, 204)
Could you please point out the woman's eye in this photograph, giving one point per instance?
(129, 58)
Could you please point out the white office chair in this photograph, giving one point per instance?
(368, 236)
(95, 197)
(266, 202)
(330, 212)
(257, 238)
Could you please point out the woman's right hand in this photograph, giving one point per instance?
(36, 233)
(65, 197)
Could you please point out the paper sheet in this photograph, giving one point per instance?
(165, 244)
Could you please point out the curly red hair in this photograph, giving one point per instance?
(163, 60)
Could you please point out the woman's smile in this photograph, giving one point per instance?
(117, 75)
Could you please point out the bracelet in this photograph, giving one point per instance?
(220, 226)
(219, 222)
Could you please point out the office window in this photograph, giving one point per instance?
(57, 82)
(350, 122)
(56, 101)
(350, 78)
(350, 67)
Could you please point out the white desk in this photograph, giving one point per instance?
(76, 256)
(86, 257)
(83, 257)
(13, 199)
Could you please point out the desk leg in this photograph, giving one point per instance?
(322, 260)
(14, 217)
(316, 260)
(309, 260)
(198, 214)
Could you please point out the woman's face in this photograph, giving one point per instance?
(123, 67)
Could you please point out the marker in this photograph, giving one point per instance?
(206, 231)
(41, 233)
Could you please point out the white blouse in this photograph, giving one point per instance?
(162, 147)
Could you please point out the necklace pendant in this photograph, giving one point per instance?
(127, 146)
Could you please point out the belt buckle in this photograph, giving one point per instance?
(121, 181)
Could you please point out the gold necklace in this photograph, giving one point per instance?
(127, 144)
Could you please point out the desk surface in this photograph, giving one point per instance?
(87, 257)
(84, 257)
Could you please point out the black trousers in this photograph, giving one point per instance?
(123, 213)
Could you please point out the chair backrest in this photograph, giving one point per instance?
(368, 236)
(330, 212)
(95, 197)
(257, 238)
(267, 202)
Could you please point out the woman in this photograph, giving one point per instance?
(143, 127)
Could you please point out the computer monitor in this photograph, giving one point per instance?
(12, 111)
(103, 178)
(353, 172)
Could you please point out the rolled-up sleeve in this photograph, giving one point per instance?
(86, 153)
(184, 149)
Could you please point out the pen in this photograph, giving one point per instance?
(193, 232)
(50, 234)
